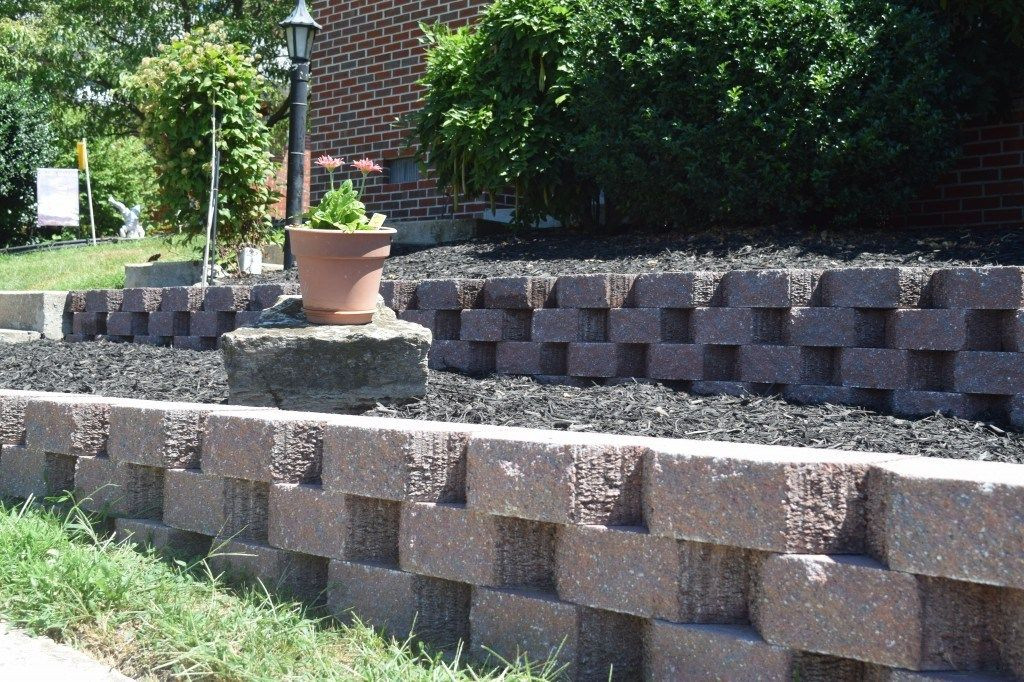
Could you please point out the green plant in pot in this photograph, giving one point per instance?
(341, 251)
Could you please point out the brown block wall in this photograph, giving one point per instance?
(658, 559)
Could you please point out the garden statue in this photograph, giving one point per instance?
(131, 228)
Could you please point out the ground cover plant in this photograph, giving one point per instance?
(60, 577)
(85, 267)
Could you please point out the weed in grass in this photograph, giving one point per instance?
(154, 619)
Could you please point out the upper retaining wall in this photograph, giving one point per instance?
(907, 340)
(667, 559)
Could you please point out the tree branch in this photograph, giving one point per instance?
(281, 112)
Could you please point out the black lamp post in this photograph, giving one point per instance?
(300, 28)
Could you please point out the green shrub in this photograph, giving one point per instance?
(121, 167)
(177, 92)
(752, 110)
(26, 143)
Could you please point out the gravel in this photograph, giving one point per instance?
(136, 371)
(559, 253)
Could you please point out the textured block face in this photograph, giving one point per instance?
(88, 324)
(445, 294)
(442, 607)
(528, 357)
(182, 299)
(211, 323)
(141, 300)
(103, 300)
(246, 508)
(848, 606)
(194, 342)
(226, 298)
(610, 646)
(144, 533)
(158, 434)
(399, 295)
(12, 415)
(832, 327)
(559, 478)
(526, 554)
(447, 541)
(770, 364)
(168, 323)
(714, 652)
(508, 623)
(126, 490)
(593, 359)
(263, 296)
(443, 324)
(494, 325)
(593, 291)
(874, 368)
(306, 519)
(194, 501)
(928, 329)
(619, 569)
(874, 287)
(676, 289)
(988, 372)
(728, 326)
(381, 597)
(564, 325)
(951, 518)
(296, 575)
(373, 530)
(675, 361)
(279, 447)
(924, 403)
(634, 325)
(468, 357)
(981, 288)
(69, 426)
(22, 472)
(127, 324)
(760, 497)
(768, 288)
(518, 293)
(397, 460)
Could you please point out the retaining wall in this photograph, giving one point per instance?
(906, 340)
(664, 559)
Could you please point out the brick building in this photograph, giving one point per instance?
(368, 58)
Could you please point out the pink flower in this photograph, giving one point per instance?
(329, 163)
(367, 166)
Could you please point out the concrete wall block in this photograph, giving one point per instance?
(770, 498)
(594, 359)
(124, 490)
(610, 646)
(565, 325)
(263, 296)
(399, 294)
(719, 653)
(23, 472)
(770, 364)
(1000, 288)
(768, 288)
(127, 324)
(168, 323)
(495, 325)
(373, 530)
(397, 459)
(526, 553)
(69, 425)
(194, 342)
(194, 501)
(443, 324)
(167, 540)
(555, 477)
(519, 293)
(89, 324)
(509, 624)
(211, 323)
(634, 325)
(264, 445)
(675, 361)
(103, 300)
(246, 509)
(468, 357)
(676, 289)
(449, 294)
(39, 311)
(530, 358)
(12, 414)
(74, 302)
(380, 597)
(593, 291)
(227, 298)
(142, 300)
(247, 318)
(830, 327)
(883, 368)
(812, 667)
(293, 575)
(950, 518)
(925, 403)
(847, 606)
(988, 372)
(306, 518)
(881, 287)
(941, 329)
(182, 299)
(449, 541)
(723, 326)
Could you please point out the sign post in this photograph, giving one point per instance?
(83, 164)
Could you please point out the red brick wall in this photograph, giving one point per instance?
(280, 183)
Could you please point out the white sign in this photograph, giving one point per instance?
(57, 192)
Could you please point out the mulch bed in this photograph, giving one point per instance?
(136, 371)
(557, 253)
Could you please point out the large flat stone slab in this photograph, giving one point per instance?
(18, 336)
(36, 311)
(288, 363)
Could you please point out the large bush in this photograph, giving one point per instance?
(26, 143)
(178, 92)
(694, 110)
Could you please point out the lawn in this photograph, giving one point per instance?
(86, 267)
(155, 619)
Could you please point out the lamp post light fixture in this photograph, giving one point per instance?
(300, 29)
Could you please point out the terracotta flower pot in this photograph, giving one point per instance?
(339, 272)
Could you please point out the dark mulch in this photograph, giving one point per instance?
(558, 253)
(633, 408)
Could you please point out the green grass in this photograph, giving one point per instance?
(86, 267)
(155, 619)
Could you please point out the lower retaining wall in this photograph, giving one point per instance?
(662, 559)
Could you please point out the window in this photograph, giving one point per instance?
(402, 170)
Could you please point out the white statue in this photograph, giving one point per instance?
(131, 229)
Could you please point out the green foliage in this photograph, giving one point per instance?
(121, 167)
(493, 114)
(747, 110)
(26, 143)
(340, 209)
(178, 91)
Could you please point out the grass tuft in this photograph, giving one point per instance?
(154, 619)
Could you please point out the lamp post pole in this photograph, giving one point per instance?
(296, 153)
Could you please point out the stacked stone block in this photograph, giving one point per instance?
(657, 559)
